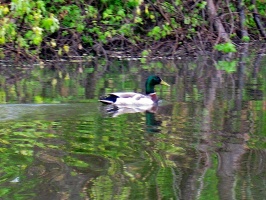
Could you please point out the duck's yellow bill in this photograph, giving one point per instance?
(164, 83)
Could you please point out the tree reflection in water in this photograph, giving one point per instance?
(206, 142)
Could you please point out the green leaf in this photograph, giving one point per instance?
(50, 24)
(246, 39)
(41, 5)
(145, 53)
(37, 40)
(226, 47)
(187, 20)
(121, 12)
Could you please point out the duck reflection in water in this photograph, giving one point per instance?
(152, 124)
(114, 111)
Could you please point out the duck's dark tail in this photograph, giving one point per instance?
(111, 99)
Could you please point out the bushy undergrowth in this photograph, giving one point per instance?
(48, 29)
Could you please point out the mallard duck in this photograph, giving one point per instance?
(136, 99)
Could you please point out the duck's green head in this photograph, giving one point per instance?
(151, 82)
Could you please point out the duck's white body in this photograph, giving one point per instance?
(131, 98)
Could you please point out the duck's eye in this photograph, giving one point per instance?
(158, 79)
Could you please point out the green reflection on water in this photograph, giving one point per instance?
(206, 139)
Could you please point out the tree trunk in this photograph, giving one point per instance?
(257, 20)
(242, 18)
(216, 21)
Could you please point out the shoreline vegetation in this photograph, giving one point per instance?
(52, 30)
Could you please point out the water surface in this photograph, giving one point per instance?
(206, 140)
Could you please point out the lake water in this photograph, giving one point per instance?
(206, 140)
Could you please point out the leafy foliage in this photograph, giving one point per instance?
(226, 47)
(33, 27)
